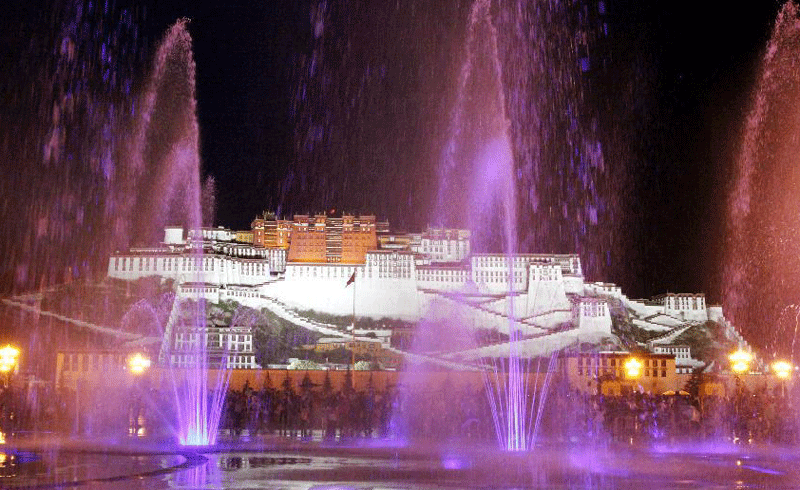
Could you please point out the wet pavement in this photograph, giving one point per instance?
(314, 466)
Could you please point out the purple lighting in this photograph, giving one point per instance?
(169, 102)
(479, 162)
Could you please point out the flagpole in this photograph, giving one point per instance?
(352, 333)
(354, 299)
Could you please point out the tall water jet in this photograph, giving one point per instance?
(167, 132)
(164, 151)
(478, 161)
(519, 148)
(762, 264)
(105, 165)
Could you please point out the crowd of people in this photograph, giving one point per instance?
(746, 417)
(440, 412)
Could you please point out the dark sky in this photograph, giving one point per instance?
(307, 105)
(690, 70)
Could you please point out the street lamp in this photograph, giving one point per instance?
(8, 361)
(782, 369)
(138, 363)
(740, 361)
(633, 368)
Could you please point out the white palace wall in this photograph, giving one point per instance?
(187, 267)
(546, 290)
(324, 288)
(532, 288)
(594, 317)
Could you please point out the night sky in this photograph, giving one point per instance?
(307, 106)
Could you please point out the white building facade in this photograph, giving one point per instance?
(434, 276)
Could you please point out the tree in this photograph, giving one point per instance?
(261, 346)
(303, 364)
(692, 386)
(327, 386)
(348, 381)
(362, 366)
(306, 384)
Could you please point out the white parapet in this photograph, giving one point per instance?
(173, 235)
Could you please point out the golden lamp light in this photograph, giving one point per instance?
(782, 369)
(138, 363)
(740, 361)
(8, 358)
(633, 368)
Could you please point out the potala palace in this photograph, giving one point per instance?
(352, 265)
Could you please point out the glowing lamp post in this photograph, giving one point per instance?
(782, 369)
(633, 368)
(740, 361)
(138, 364)
(8, 361)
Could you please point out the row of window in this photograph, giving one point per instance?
(498, 276)
(648, 373)
(498, 260)
(234, 337)
(383, 258)
(233, 362)
(685, 303)
(543, 275)
(593, 309)
(605, 361)
(83, 362)
(232, 346)
(239, 294)
(214, 290)
(182, 263)
(310, 271)
(382, 272)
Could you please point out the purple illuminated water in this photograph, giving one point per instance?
(479, 162)
(170, 97)
(107, 155)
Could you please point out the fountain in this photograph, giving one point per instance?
(763, 223)
(479, 162)
(169, 104)
(152, 179)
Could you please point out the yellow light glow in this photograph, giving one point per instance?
(633, 368)
(782, 369)
(8, 358)
(138, 363)
(740, 361)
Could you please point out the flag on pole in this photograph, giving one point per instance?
(351, 280)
